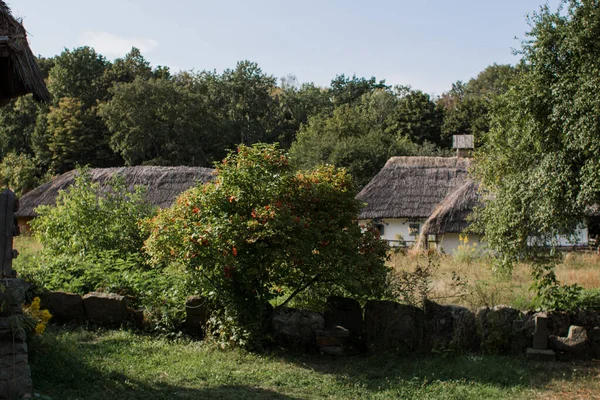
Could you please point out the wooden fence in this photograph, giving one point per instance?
(8, 229)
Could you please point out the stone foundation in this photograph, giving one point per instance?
(15, 377)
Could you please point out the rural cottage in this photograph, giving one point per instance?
(163, 185)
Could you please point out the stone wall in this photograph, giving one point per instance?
(379, 327)
(15, 377)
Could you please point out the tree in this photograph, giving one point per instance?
(79, 73)
(76, 136)
(466, 106)
(360, 137)
(417, 116)
(17, 123)
(19, 173)
(159, 121)
(261, 231)
(124, 70)
(344, 90)
(541, 159)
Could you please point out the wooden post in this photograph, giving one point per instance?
(8, 229)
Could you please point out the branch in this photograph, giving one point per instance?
(301, 288)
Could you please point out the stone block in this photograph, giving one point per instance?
(449, 327)
(393, 328)
(575, 345)
(495, 328)
(541, 355)
(541, 333)
(64, 307)
(197, 313)
(332, 336)
(341, 311)
(105, 309)
(296, 328)
(586, 318)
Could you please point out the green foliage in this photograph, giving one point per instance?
(19, 173)
(88, 219)
(261, 231)
(466, 106)
(360, 137)
(158, 121)
(78, 73)
(540, 158)
(17, 123)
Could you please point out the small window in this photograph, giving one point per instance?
(380, 228)
(414, 229)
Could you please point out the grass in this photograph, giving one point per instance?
(481, 285)
(82, 364)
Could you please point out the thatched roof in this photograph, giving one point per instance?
(164, 184)
(412, 187)
(451, 214)
(19, 72)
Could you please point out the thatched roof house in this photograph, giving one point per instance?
(19, 73)
(450, 216)
(412, 187)
(412, 198)
(164, 184)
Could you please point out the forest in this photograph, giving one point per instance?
(127, 112)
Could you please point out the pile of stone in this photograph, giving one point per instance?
(106, 309)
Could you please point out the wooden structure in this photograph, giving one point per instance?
(8, 229)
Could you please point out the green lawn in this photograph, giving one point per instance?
(80, 364)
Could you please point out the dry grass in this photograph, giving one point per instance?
(474, 281)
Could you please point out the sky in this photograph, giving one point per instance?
(427, 44)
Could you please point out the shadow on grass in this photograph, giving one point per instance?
(388, 371)
(80, 364)
(61, 370)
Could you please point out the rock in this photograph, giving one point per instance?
(105, 309)
(541, 355)
(296, 328)
(197, 314)
(522, 334)
(495, 328)
(449, 327)
(586, 318)
(541, 333)
(64, 307)
(464, 330)
(393, 327)
(341, 311)
(332, 336)
(594, 341)
(558, 322)
(15, 382)
(575, 345)
(137, 317)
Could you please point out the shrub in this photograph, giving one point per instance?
(89, 218)
(261, 231)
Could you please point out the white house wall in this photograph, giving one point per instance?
(397, 227)
(449, 242)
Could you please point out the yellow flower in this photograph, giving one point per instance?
(45, 315)
(40, 328)
(35, 304)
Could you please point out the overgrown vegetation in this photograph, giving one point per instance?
(91, 241)
(261, 231)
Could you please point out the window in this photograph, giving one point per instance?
(414, 229)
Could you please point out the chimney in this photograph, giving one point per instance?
(464, 145)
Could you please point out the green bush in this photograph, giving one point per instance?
(262, 232)
(89, 218)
